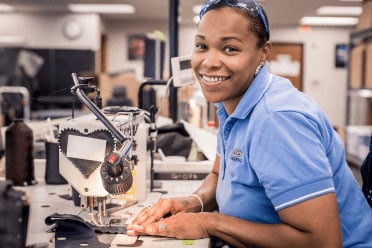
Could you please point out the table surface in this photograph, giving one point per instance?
(46, 200)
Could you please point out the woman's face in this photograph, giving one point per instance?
(225, 56)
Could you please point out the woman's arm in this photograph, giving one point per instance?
(313, 223)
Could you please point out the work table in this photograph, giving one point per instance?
(48, 199)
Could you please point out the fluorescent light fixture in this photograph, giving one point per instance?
(339, 11)
(12, 41)
(196, 8)
(102, 8)
(6, 8)
(350, 0)
(328, 21)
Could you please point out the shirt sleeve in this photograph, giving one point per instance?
(288, 154)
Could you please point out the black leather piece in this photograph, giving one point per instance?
(60, 218)
(74, 233)
(177, 127)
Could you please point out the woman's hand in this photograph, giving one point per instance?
(181, 226)
(165, 206)
(181, 222)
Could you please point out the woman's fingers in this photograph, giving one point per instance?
(155, 229)
(153, 213)
(181, 226)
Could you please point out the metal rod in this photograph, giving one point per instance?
(173, 52)
(143, 85)
(95, 110)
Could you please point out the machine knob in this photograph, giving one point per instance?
(116, 174)
(114, 168)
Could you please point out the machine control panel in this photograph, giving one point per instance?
(182, 71)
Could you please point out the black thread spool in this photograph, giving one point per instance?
(19, 161)
(52, 175)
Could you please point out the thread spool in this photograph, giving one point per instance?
(52, 175)
(19, 162)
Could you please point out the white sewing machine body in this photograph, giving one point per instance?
(87, 143)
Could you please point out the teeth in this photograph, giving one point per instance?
(214, 79)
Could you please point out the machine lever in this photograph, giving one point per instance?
(76, 90)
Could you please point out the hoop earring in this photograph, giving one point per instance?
(258, 69)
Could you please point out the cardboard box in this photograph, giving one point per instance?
(358, 138)
(107, 84)
(365, 19)
(368, 67)
(356, 66)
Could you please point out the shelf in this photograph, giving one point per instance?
(361, 34)
(359, 96)
(365, 93)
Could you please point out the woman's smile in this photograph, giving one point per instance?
(214, 79)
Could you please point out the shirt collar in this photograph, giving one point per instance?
(251, 97)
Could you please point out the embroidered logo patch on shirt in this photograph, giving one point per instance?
(236, 155)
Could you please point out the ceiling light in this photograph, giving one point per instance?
(350, 0)
(102, 8)
(339, 10)
(196, 8)
(329, 21)
(6, 8)
(12, 41)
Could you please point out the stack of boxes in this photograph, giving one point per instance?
(358, 131)
(361, 54)
(358, 138)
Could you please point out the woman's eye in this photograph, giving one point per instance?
(200, 46)
(230, 49)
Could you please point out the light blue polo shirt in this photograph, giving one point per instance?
(278, 149)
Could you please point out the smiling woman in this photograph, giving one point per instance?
(279, 160)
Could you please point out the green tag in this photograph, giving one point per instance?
(188, 242)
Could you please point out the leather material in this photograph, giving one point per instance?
(112, 229)
(72, 231)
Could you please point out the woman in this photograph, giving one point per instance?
(280, 178)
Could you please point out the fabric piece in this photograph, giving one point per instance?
(75, 233)
(54, 218)
(174, 140)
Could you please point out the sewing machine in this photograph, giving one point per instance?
(106, 154)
